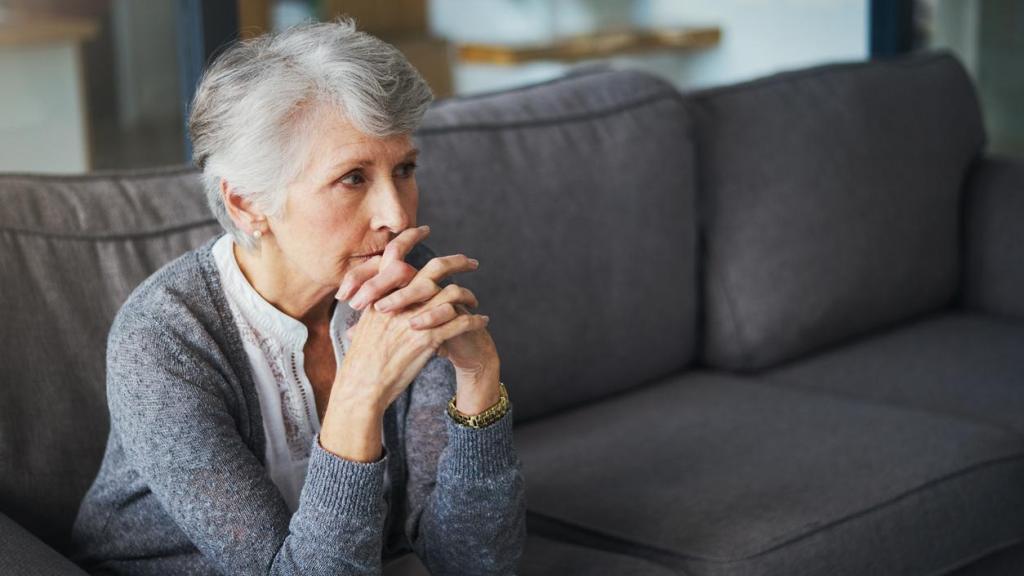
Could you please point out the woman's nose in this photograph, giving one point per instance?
(388, 210)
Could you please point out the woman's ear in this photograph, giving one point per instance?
(243, 212)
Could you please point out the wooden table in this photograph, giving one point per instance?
(597, 45)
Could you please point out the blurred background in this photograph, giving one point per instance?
(105, 84)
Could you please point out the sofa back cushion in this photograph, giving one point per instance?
(577, 196)
(71, 250)
(831, 198)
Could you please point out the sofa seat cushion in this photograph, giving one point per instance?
(964, 364)
(720, 475)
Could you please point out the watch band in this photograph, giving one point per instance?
(485, 418)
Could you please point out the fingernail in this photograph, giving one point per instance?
(382, 305)
(486, 319)
(474, 261)
(425, 228)
(358, 303)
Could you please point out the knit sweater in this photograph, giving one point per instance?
(183, 488)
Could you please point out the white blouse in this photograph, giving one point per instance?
(274, 343)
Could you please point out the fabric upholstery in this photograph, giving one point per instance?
(547, 557)
(71, 250)
(1001, 562)
(966, 365)
(577, 197)
(994, 214)
(720, 475)
(23, 554)
(831, 200)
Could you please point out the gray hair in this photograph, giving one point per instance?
(252, 108)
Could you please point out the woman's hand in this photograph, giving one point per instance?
(388, 283)
(386, 352)
(391, 285)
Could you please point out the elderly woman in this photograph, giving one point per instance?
(308, 393)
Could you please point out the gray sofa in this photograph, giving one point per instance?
(775, 327)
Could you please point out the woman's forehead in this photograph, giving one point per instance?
(336, 141)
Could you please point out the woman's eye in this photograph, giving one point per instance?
(356, 178)
(407, 169)
(352, 179)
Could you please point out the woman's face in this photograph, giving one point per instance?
(357, 192)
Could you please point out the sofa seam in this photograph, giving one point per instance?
(911, 61)
(745, 353)
(108, 236)
(569, 75)
(554, 121)
(117, 173)
(779, 543)
(964, 563)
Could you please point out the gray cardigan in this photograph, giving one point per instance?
(183, 489)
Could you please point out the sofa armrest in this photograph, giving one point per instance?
(23, 554)
(994, 229)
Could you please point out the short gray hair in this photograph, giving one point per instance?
(252, 107)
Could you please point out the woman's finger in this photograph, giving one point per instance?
(355, 277)
(440, 267)
(433, 317)
(392, 277)
(395, 251)
(401, 245)
(424, 286)
(451, 302)
(418, 290)
(458, 325)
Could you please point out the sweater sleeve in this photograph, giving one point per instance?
(467, 499)
(169, 407)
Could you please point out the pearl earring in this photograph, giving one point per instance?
(257, 234)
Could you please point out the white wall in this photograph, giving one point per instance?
(42, 111)
(758, 36)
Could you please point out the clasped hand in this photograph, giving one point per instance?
(402, 304)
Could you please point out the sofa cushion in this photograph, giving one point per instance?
(963, 364)
(832, 202)
(719, 475)
(71, 250)
(993, 274)
(577, 197)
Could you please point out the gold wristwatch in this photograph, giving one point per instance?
(485, 418)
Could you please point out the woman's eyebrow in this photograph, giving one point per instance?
(411, 155)
(369, 161)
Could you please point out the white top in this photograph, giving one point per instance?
(274, 343)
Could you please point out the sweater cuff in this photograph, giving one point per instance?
(480, 452)
(342, 486)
